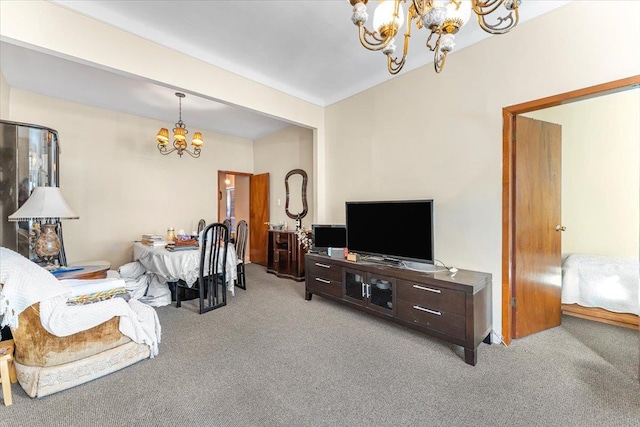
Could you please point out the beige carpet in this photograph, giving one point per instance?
(270, 358)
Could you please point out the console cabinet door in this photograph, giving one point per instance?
(354, 286)
(381, 293)
(371, 290)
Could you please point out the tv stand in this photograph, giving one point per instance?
(453, 307)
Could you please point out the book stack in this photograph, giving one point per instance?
(153, 240)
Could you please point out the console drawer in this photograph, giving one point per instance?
(325, 270)
(449, 324)
(432, 297)
(325, 286)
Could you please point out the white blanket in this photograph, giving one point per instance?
(25, 283)
(599, 281)
(137, 320)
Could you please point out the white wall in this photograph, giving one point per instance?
(113, 176)
(427, 135)
(279, 153)
(5, 97)
(600, 173)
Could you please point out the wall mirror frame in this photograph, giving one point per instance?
(303, 194)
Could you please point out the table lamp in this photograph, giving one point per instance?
(47, 206)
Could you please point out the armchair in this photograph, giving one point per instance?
(58, 346)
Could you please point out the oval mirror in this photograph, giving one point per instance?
(295, 184)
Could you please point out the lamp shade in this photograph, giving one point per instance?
(197, 141)
(44, 202)
(384, 17)
(179, 134)
(163, 136)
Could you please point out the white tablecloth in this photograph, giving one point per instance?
(183, 265)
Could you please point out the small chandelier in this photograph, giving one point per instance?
(179, 137)
(443, 18)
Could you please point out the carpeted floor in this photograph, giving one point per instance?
(270, 358)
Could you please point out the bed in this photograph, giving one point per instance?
(601, 288)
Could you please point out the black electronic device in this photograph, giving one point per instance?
(327, 236)
(399, 230)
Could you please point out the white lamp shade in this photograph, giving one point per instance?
(461, 11)
(383, 15)
(44, 202)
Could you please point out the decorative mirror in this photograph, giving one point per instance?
(296, 198)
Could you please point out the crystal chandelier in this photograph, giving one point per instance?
(443, 18)
(179, 137)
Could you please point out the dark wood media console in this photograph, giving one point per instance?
(455, 307)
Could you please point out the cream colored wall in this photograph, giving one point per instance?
(5, 96)
(114, 178)
(600, 173)
(427, 135)
(279, 153)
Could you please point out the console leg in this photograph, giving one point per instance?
(307, 296)
(487, 339)
(470, 356)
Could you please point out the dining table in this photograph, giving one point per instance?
(181, 264)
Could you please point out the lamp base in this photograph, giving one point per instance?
(48, 244)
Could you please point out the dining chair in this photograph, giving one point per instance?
(242, 232)
(227, 222)
(212, 277)
(201, 225)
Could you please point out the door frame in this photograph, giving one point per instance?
(226, 172)
(508, 178)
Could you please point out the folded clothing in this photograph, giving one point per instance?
(99, 296)
(79, 287)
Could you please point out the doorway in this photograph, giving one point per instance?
(245, 196)
(509, 247)
(233, 199)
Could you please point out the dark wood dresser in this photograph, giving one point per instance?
(285, 256)
(455, 307)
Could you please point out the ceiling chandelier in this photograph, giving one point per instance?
(443, 18)
(179, 137)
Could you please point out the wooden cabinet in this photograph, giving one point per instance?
(455, 307)
(285, 256)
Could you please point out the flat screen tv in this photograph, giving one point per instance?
(327, 236)
(394, 230)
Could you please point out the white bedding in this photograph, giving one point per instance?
(599, 281)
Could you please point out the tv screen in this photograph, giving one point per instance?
(328, 236)
(391, 229)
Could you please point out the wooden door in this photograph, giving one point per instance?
(537, 261)
(258, 215)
